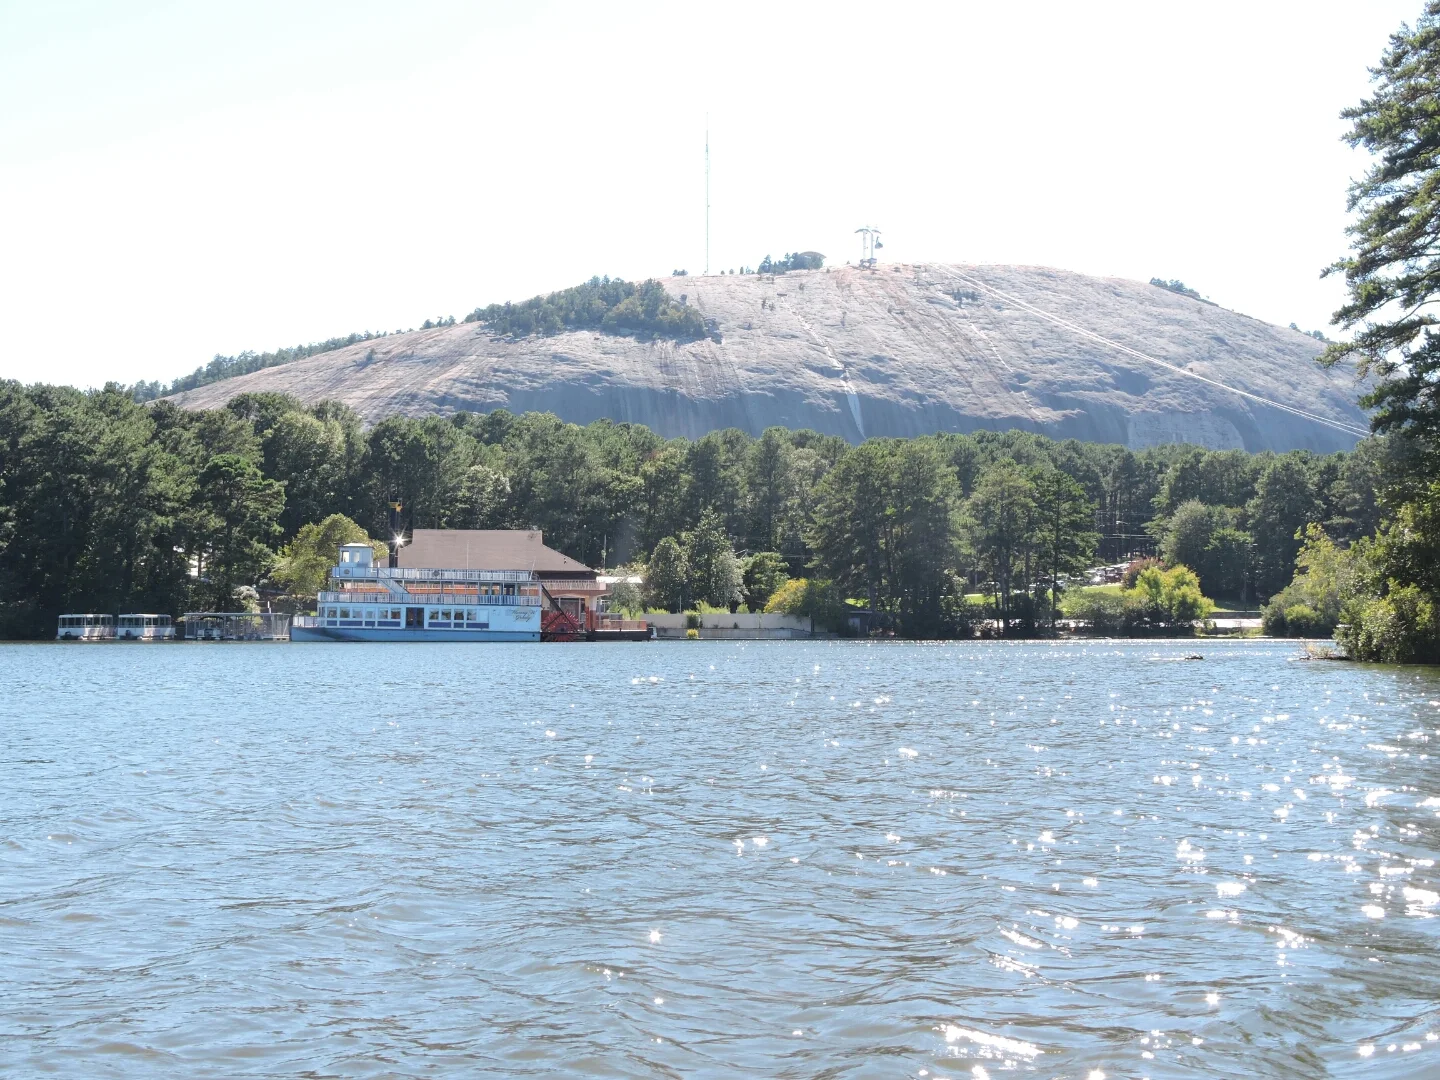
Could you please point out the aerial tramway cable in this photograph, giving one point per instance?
(1339, 425)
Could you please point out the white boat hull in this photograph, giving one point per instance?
(346, 633)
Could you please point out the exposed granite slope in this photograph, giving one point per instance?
(903, 350)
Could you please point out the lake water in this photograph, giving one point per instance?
(717, 859)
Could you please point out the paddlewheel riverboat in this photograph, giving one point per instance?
(365, 602)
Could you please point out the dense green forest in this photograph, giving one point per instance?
(110, 505)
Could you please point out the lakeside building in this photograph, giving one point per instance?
(575, 587)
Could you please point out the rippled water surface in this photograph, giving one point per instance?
(717, 859)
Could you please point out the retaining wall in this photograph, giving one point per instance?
(741, 627)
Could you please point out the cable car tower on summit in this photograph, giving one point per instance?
(869, 244)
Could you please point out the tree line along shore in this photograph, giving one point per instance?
(106, 504)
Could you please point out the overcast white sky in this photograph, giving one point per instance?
(181, 179)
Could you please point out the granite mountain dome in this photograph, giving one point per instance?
(900, 351)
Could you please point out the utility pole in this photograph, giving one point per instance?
(707, 194)
(869, 244)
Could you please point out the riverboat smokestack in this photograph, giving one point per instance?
(397, 538)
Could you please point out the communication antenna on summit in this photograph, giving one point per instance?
(707, 194)
(869, 244)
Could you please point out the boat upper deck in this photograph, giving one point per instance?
(403, 575)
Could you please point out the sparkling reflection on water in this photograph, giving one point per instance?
(716, 859)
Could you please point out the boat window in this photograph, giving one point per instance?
(434, 614)
(344, 613)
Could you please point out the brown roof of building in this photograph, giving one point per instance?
(487, 549)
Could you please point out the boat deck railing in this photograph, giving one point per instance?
(421, 599)
(400, 573)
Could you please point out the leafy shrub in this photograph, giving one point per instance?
(1169, 599)
(1400, 628)
(1172, 597)
(1102, 612)
(692, 634)
(789, 598)
(1305, 621)
(1285, 616)
(812, 597)
(1127, 580)
(1326, 578)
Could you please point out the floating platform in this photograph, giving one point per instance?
(235, 626)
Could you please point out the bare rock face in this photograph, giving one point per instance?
(899, 351)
